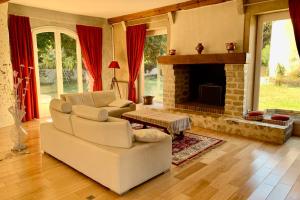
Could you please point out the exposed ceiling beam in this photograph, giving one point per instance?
(240, 6)
(171, 16)
(124, 25)
(164, 10)
(3, 1)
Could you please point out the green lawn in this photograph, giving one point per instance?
(280, 97)
(154, 88)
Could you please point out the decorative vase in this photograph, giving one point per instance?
(199, 48)
(148, 100)
(230, 47)
(18, 133)
(172, 52)
(18, 93)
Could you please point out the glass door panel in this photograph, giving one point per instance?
(47, 70)
(155, 45)
(279, 67)
(47, 66)
(69, 64)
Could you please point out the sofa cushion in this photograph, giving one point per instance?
(87, 99)
(103, 98)
(280, 117)
(149, 135)
(91, 113)
(74, 99)
(255, 113)
(120, 103)
(60, 106)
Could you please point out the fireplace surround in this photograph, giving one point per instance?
(226, 74)
(210, 83)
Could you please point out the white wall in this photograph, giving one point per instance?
(212, 25)
(5, 117)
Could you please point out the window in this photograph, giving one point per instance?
(277, 64)
(59, 64)
(155, 45)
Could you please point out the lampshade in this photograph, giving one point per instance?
(114, 64)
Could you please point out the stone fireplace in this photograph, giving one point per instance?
(206, 83)
(211, 89)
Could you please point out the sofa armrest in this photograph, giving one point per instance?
(132, 106)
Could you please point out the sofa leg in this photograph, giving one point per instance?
(121, 193)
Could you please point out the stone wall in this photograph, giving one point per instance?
(235, 90)
(168, 86)
(5, 117)
(238, 126)
(182, 83)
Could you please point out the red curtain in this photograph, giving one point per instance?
(294, 7)
(135, 39)
(90, 39)
(21, 50)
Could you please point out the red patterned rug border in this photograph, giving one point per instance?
(207, 149)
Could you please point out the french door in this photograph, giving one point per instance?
(58, 63)
(277, 75)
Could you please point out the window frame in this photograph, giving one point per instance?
(259, 42)
(57, 38)
(141, 78)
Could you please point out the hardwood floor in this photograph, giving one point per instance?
(239, 169)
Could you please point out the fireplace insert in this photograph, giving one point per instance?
(208, 84)
(211, 94)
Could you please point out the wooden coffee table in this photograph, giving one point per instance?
(172, 124)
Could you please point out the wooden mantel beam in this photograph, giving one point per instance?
(164, 10)
(221, 58)
(3, 1)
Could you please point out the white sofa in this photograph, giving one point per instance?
(105, 151)
(99, 99)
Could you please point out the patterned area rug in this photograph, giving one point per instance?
(190, 146)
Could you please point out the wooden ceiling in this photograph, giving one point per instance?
(166, 9)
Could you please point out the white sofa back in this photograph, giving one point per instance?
(85, 123)
(94, 99)
(114, 132)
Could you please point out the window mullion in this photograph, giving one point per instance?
(79, 67)
(36, 63)
(59, 71)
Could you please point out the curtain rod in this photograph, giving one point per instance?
(60, 22)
